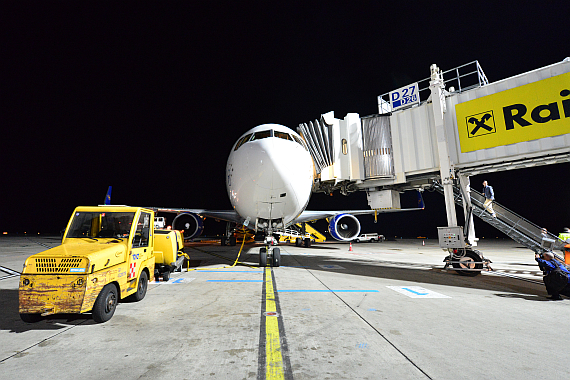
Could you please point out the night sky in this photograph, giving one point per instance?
(149, 97)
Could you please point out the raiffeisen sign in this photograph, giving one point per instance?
(529, 112)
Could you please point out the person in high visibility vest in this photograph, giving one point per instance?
(565, 235)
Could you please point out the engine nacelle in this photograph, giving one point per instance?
(191, 224)
(344, 227)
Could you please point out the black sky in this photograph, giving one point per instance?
(150, 96)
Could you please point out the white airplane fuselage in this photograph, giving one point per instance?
(269, 176)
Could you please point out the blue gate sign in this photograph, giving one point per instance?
(405, 96)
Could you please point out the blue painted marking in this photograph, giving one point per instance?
(178, 281)
(371, 309)
(234, 280)
(232, 271)
(326, 290)
(362, 345)
(413, 291)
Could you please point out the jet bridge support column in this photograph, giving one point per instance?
(465, 184)
(446, 170)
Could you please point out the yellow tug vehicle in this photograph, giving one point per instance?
(106, 255)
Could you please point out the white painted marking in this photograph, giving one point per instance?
(417, 292)
(331, 266)
(179, 280)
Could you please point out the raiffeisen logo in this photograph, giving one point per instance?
(543, 113)
(530, 112)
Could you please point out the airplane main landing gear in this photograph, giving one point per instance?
(271, 253)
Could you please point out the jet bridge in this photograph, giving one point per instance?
(445, 128)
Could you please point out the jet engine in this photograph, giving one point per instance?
(344, 227)
(191, 224)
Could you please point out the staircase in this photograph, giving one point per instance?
(508, 222)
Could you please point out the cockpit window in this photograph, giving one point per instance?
(282, 135)
(262, 135)
(242, 141)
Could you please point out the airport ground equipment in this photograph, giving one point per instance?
(294, 235)
(445, 128)
(508, 222)
(106, 255)
(372, 237)
(168, 252)
(463, 258)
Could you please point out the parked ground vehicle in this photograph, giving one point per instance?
(107, 254)
(168, 252)
(370, 237)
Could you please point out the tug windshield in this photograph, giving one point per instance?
(101, 225)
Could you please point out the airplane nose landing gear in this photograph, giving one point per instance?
(271, 253)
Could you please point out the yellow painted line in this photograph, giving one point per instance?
(274, 359)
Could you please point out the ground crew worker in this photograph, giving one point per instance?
(489, 198)
(546, 264)
(565, 236)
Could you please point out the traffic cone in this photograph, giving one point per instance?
(423, 242)
(350, 247)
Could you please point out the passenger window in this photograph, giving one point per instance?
(282, 135)
(242, 141)
(262, 135)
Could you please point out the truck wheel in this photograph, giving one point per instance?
(263, 257)
(232, 241)
(276, 259)
(30, 317)
(105, 304)
(298, 242)
(307, 243)
(166, 276)
(223, 241)
(141, 288)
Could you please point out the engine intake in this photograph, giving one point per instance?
(191, 224)
(344, 227)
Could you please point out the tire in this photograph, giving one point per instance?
(276, 257)
(233, 241)
(468, 262)
(307, 243)
(30, 317)
(141, 288)
(166, 276)
(223, 241)
(357, 241)
(263, 257)
(105, 304)
(298, 242)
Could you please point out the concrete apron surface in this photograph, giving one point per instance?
(381, 311)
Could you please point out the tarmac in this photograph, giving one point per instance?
(381, 311)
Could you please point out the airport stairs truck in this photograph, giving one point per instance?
(108, 253)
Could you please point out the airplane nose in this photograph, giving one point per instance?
(264, 166)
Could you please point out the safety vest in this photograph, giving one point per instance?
(564, 236)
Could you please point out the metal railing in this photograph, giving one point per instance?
(472, 74)
(508, 222)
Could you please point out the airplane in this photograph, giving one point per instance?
(269, 178)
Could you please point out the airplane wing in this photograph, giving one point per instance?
(227, 215)
(309, 216)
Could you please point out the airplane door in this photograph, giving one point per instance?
(141, 245)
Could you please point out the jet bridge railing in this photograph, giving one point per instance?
(510, 223)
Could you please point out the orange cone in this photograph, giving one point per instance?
(423, 242)
(350, 247)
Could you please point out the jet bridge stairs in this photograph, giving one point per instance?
(508, 222)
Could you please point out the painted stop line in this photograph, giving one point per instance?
(417, 292)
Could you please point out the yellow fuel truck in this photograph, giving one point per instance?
(107, 254)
